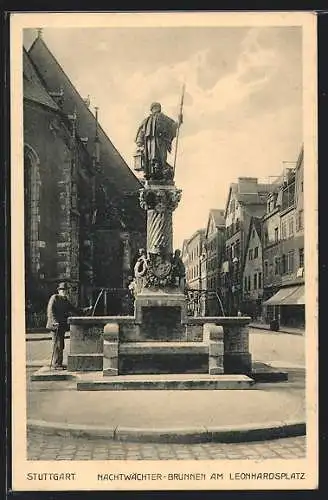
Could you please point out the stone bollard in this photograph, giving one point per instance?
(86, 345)
(237, 358)
(111, 338)
(213, 335)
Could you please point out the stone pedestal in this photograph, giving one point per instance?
(161, 314)
(86, 345)
(111, 339)
(215, 350)
(228, 343)
(237, 358)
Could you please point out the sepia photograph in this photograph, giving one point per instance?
(164, 237)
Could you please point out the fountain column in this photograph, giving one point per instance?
(160, 305)
(160, 201)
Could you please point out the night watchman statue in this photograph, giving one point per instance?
(159, 197)
(154, 141)
(159, 327)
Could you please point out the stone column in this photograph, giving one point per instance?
(86, 344)
(213, 335)
(160, 200)
(159, 232)
(111, 339)
(237, 358)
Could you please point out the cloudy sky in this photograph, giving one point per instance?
(243, 103)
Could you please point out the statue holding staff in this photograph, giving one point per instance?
(154, 141)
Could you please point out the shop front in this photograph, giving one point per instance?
(286, 307)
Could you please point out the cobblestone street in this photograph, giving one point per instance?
(289, 349)
(43, 447)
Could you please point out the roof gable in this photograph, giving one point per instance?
(33, 88)
(300, 159)
(232, 189)
(218, 216)
(210, 221)
(114, 166)
(215, 217)
(254, 198)
(255, 224)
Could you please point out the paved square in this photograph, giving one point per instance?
(42, 447)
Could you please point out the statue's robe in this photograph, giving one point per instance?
(156, 134)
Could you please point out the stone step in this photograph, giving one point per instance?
(163, 358)
(45, 374)
(143, 348)
(262, 372)
(165, 382)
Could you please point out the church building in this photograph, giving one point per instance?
(83, 222)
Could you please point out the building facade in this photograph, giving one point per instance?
(213, 256)
(253, 271)
(285, 284)
(271, 247)
(192, 256)
(83, 222)
(246, 199)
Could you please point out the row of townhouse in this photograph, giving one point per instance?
(203, 255)
(282, 242)
(250, 257)
(247, 199)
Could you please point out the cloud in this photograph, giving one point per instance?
(204, 107)
(242, 113)
(212, 159)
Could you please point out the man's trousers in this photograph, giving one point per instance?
(58, 345)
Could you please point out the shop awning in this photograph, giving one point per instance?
(282, 296)
(297, 297)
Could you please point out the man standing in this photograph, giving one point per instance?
(154, 140)
(58, 311)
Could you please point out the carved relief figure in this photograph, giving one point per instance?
(178, 269)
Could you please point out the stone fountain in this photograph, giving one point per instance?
(160, 338)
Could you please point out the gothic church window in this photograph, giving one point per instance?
(32, 184)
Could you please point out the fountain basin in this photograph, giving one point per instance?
(123, 345)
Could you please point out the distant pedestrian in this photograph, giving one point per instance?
(59, 309)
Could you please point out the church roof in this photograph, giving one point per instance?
(33, 88)
(54, 77)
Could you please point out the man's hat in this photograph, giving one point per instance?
(155, 105)
(62, 286)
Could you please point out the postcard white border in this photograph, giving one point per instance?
(87, 470)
